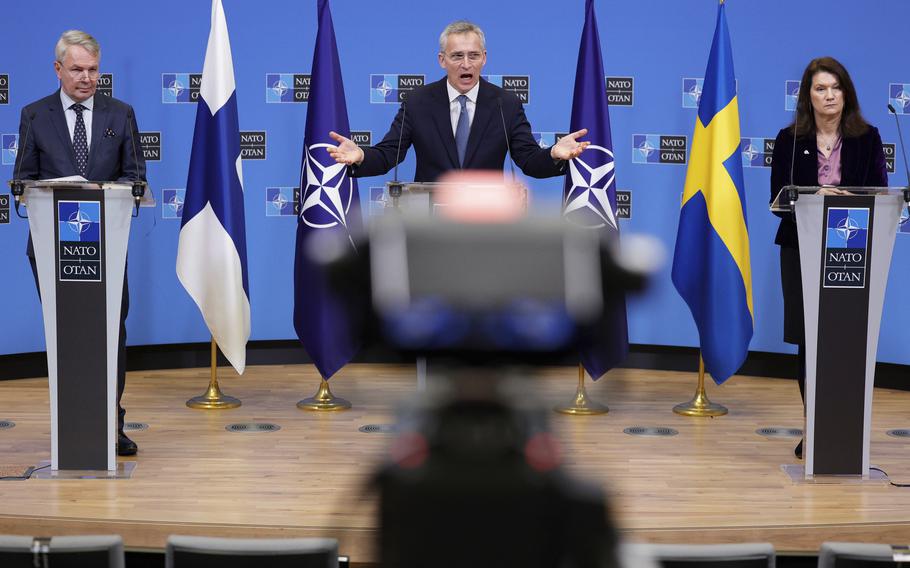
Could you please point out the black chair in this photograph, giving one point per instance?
(61, 552)
(205, 552)
(745, 555)
(856, 555)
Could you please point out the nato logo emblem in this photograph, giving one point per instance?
(379, 199)
(362, 137)
(691, 91)
(791, 95)
(79, 240)
(392, 89)
(587, 202)
(4, 89)
(757, 152)
(899, 97)
(903, 224)
(287, 87)
(4, 209)
(150, 144)
(252, 145)
(620, 90)
(659, 149)
(105, 84)
(180, 87)
(518, 84)
(172, 203)
(10, 146)
(281, 201)
(329, 191)
(547, 139)
(846, 237)
(888, 149)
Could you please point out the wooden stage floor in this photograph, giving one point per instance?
(717, 481)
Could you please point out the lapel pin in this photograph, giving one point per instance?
(806, 152)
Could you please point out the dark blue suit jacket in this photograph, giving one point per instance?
(427, 127)
(46, 151)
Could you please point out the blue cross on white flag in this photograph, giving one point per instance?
(211, 254)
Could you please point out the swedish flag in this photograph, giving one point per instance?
(711, 267)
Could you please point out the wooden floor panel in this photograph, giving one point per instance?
(717, 481)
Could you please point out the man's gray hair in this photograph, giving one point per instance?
(461, 27)
(76, 37)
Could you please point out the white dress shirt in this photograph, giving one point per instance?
(70, 115)
(455, 106)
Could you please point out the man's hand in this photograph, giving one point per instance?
(568, 146)
(346, 152)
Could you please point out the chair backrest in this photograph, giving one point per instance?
(855, 555)
(204, 552)
(745, 555)
(61, 551)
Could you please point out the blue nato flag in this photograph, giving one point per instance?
(589, 196)
(329, 203)
(711, 266)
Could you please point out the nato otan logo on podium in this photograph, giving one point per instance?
(518, 84)
(757, 152)
(392, 89)
(846, 238)
(180, 87)
(899, 97)
(659, 149)
(281, 201)
(329, 191)
(10, 147)
(287, 87)
(79, 240)
(172, 203)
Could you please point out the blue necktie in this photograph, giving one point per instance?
(462, 129)
(80, 140)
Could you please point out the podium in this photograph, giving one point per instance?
(423, 198)
(845, 246)
(80, 232)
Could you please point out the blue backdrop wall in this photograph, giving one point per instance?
(661, 45)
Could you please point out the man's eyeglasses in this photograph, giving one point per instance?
(77, 73)
(459, 56)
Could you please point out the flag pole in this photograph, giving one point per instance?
(699, 405)
(581, 405)
(324, 400)
(213, 397)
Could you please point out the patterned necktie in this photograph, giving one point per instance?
(80, 140)
(462, 129)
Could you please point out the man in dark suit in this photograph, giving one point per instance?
(455, 123)
(73, 132)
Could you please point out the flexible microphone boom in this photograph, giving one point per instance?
(904, 153)
(395, 185)
(505, 133)
(138, 184)
(17, 188)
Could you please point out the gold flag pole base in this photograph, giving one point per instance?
(581, 405)
(213, 397)
(324, 400)
(699, 405)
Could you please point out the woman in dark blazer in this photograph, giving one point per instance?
(835, 146)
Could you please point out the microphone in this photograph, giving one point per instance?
(792, 190)
(17, 188)
(395, 185)
(904, 153)
(138, 184)
(505, 133)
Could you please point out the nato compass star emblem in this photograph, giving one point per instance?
(903, 98)
(646, 149)
(175, 204)
(587, 201)
(176, 87)
(329, 190)
(750, 152)
(79, 222)
(280, 88)
(847, 229)
(384, 88)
